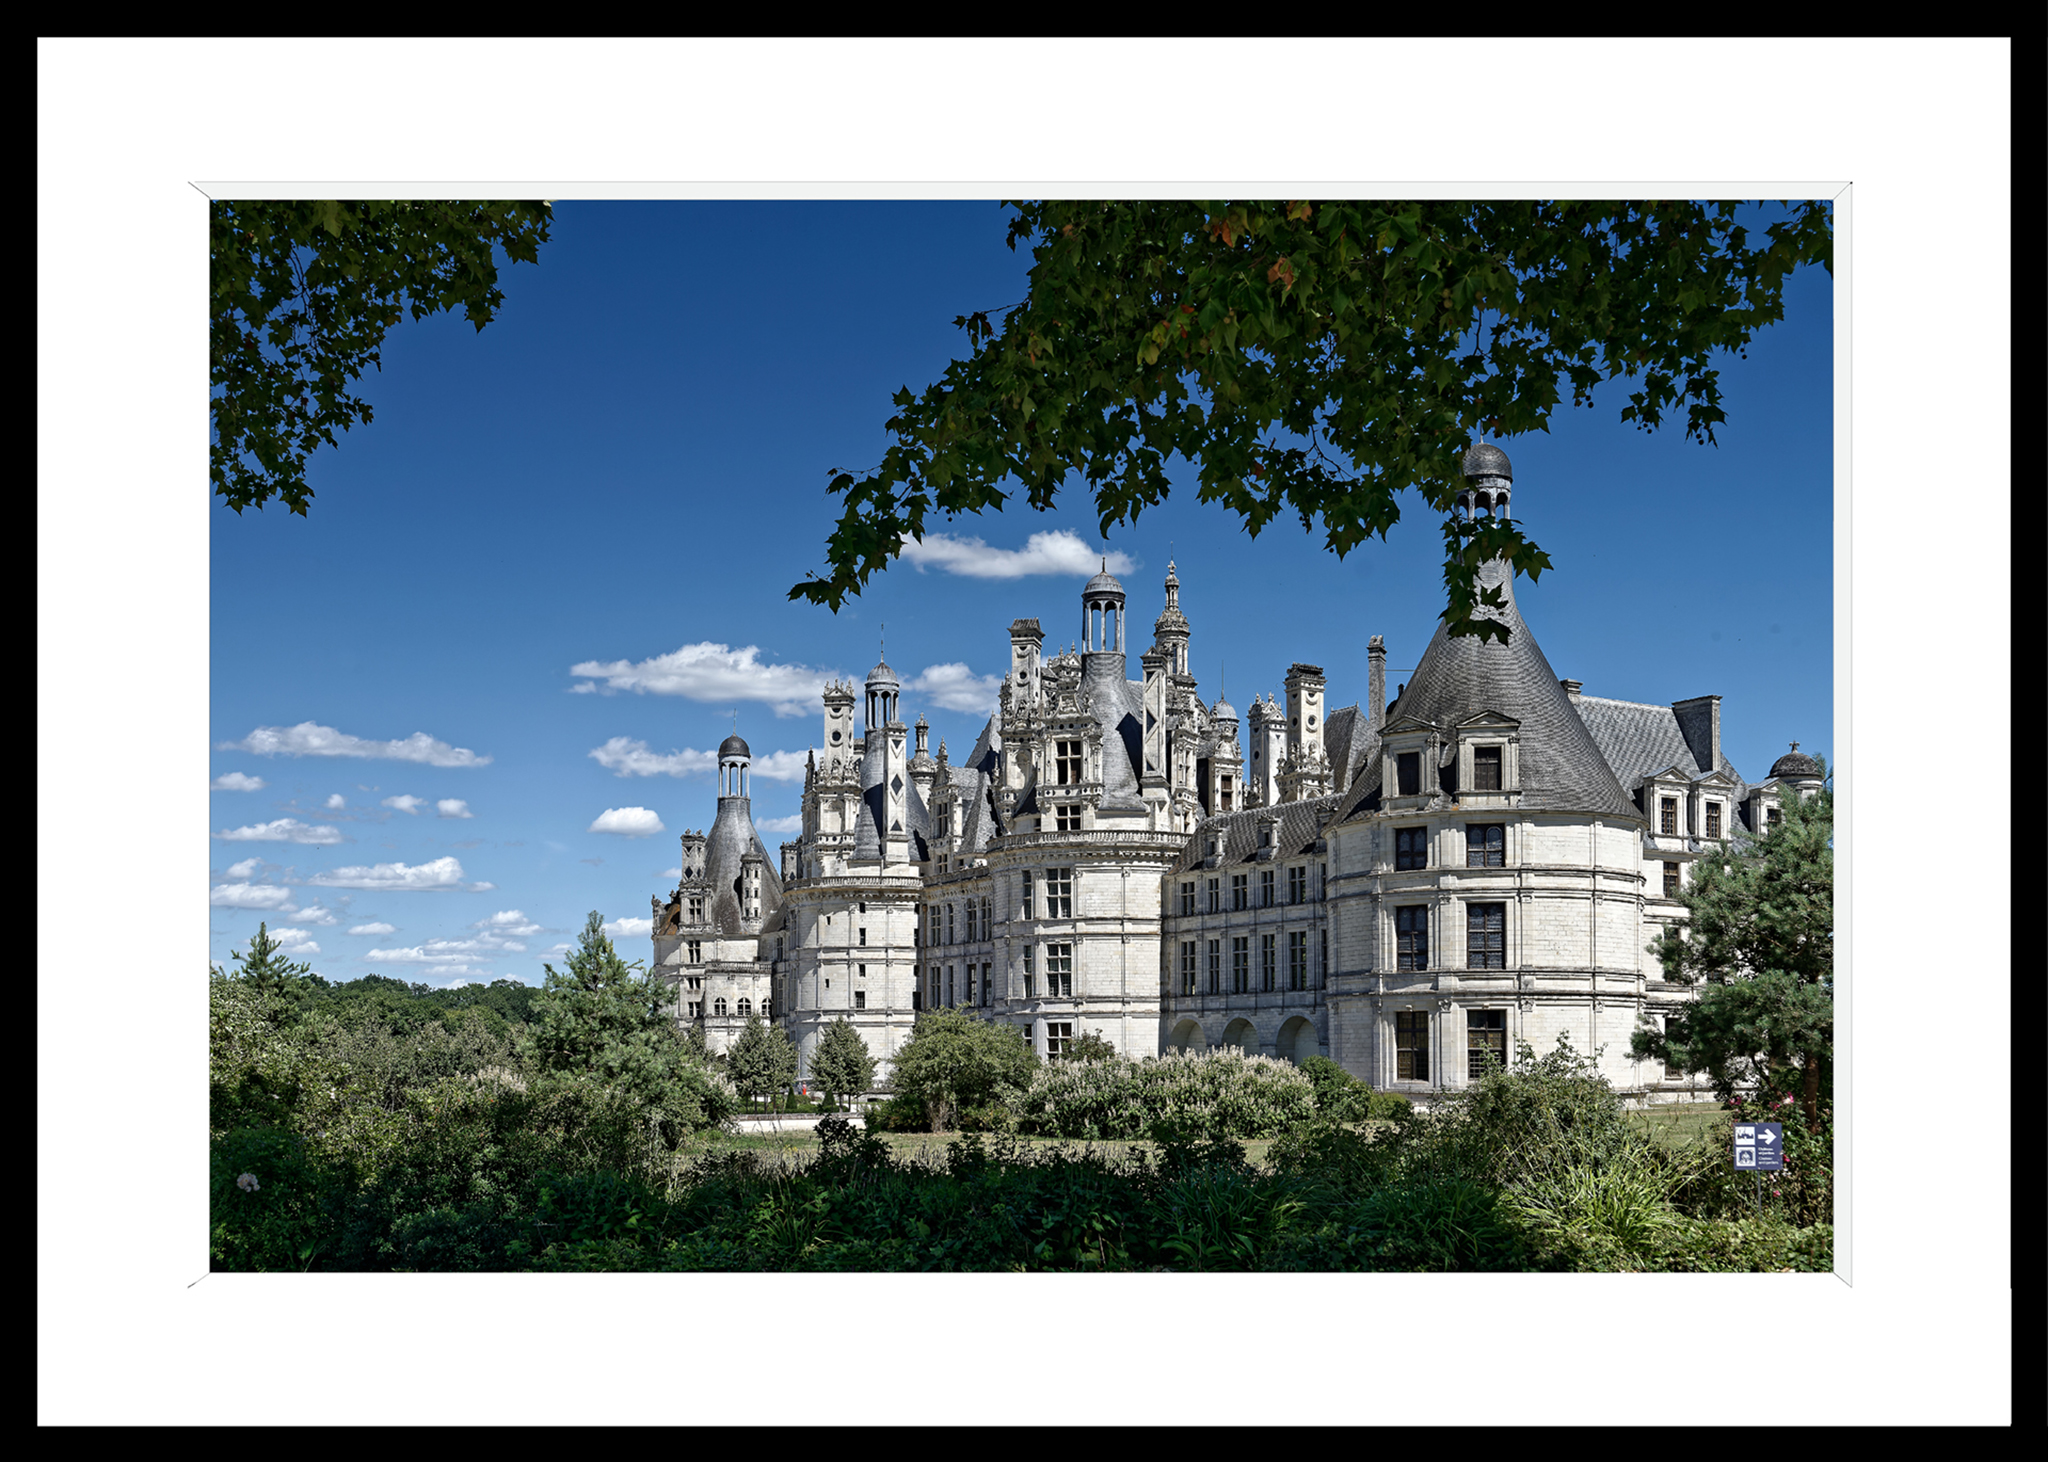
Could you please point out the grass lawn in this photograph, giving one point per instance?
(1679, 1125)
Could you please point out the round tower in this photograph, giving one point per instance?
(1170, 630)
(1489, 482)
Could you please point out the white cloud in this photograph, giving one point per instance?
(315, 915)
(442, 873)
(418, 954)
(1058, 552)
(670, 873)
(336, 802)
(294, 941)
(249, 865)
(629, 928)
(714, 673)
(283, 830)
(235, 782)
(374, 929)
(405, 802)
(794, 823)
(631, 822)
(249, 896)
(509, 922)
(624, 756)
(784, 766)
(452, 807)
(309, 739)
(953, 687)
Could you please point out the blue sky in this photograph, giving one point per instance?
(480, 681)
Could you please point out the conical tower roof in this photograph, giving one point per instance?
(1459, 677)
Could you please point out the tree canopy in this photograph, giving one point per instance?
(841, 1065)
(955, 1060)
(302, 294)
(1317, 359)
(1760, 943)
(761, 1061)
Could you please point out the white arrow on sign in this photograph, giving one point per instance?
(1766, 1136)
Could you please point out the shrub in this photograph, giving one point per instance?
(954, 1060)
(1340, 1096)
(1215, 1094)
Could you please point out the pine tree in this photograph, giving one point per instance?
(762, 1060)
(841, 1066)
(1760, 943)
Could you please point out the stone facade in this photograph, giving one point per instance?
(1402, 887)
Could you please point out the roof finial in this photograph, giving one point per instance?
(1795, 746)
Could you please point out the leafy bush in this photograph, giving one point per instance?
(1340, 1096)
(1214, 1094)
(954, 1060)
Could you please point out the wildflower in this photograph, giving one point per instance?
(247, 1183)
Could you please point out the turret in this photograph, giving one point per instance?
(923, 770)
(839, 730)
(1027, 642)
(1267, 750)
(1306, 772)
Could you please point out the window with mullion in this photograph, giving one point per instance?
(1486, 936)
(1215, 967)
(1240, 966)
(1486, 1034)
(1297, 885)
(1187, 967)
(1411, 937)
(1059, 893)
(1486, 845)
(1667, 818)
(1239, 885)
(1411, 1045)
(1266, 962)
(1411, 847)
(1486, 768)
(1059, 971)
(1297, 960)
(1265, 888)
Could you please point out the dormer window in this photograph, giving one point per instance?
(1713, 819)
(1408, 773)
(1667, 817)
(1068, 761)
(1486, 768)
(1773, 816)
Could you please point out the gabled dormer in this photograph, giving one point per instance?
(1714, 805)
(1488, 752)
(1666, 800)
(1411, 755)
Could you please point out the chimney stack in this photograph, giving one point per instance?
(1376, 681)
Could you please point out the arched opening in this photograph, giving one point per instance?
(1243, 1035)
(1297, 1041)
(718, 1006)
(1187, 1036)
(746, 1009)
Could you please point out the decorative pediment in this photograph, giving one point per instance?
(1715, 778)
(1489, 721)
(1403, 725)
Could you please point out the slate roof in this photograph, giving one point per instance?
(1639, 740)
(1301, 823)
(732, 835)
(867, 837)
(1340, 727)
(1562, 768)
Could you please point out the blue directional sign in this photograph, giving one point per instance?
(1760, 1146)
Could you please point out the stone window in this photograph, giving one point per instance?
(1411, 1045)
(860, 1000)
(1671, 880)
(1486, 1035)
(696, 951)
(1027, 913)
(1059, 893)
(1486, 845)
(1215, 967)
(1411, 847)
(696, 1009)
(1239, 890)
(1030, 974)
(1240, 966)
(1773, 816)
(986, 928)
(1486, 768)
(1408, 773)
(1265, 888)
(1187, 967)
(863, 936)
(1187, 897)
(1713, 819)
(1059, 1034)
(1215, 897)
(1667, 818)
(696, 910)
(949, 985)
(1323, 966)
(986, 993)
(1297, 885)
(1223, 785)
(949, 924)
(1059, 971)
(718, 1006)
(767, 1008)
(1411, 937)
(1066, 819)
(1297, 960)
(1068, 762)
(1266, 962)
(1486, 936)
